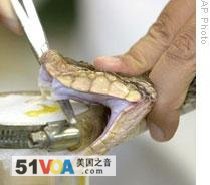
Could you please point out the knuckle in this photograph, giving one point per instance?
(183, 47)
(134, 60)
(162, 28)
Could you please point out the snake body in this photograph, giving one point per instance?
(129, 98)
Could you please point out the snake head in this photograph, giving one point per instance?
(130, 99)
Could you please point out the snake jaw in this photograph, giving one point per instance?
(124, 127)
(130, 99)
(125, 116)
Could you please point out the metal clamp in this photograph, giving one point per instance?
(51, 136)
(55, 136)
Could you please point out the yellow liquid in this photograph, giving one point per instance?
(45, 109)
(82, 180)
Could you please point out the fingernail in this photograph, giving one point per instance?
(108, 58)
(108, 63)
(156, 132)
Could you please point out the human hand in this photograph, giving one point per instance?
(7, 16)
(168, 53)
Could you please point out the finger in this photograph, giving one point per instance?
(8, 18)
(146, 52)
(172, 76)
(116, 64)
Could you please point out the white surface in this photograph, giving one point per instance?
(14, 109)
(108, 27)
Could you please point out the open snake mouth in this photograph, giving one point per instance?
(118, 107)
(130, 99)
(124, 118)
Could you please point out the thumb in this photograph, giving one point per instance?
(8, 18)
(121, 64)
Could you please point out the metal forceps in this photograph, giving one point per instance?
(27, 15)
